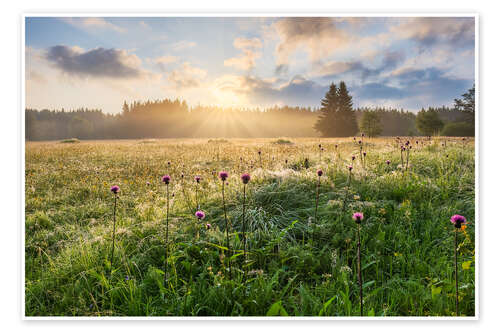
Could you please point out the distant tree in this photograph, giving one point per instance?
(428, 122)
(468, 103)
(326, 119)
(460, 128)
(370, 123)
(337, 116)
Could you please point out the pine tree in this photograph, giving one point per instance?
(346, 117)
(325, 123)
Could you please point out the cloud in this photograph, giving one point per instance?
(99, 62)
(257, 91)
(428, 31)
(333, 69)
(249, 48)
(92, 23)
(318, 35)
(163, 61)
(182, 45)
(187, 76)
(414, 88)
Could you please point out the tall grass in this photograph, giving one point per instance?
(407, 267)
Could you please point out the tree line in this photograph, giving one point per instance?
(169, 118)
(337, 117)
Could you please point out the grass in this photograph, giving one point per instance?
(297, 266)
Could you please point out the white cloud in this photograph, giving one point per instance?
(249, 53)
(92, 23)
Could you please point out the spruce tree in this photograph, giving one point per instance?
(346, 117)
(326, 120)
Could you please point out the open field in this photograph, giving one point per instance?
(297, 265)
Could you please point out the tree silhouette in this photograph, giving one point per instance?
(337, 117)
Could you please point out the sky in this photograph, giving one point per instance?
(100, 62)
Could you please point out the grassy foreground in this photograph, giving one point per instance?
(298, 266)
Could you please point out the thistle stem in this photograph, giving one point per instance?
(114, 228)
(317, 199)
(456, 274)
(227, 231)
(244, 233)
(166, 241)
(360, 277)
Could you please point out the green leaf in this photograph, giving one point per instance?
(435, 291)
(276, 310)
(371, 313)
(466, 264)
(325, 306)
(219, 246)
(367, 284)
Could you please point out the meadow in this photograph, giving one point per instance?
(301, 260)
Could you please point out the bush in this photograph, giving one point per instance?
(458, 129)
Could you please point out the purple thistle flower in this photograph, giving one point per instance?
(350, 167)
(245, 178)
(360, 141)
(319, 172)
(358, 217)
(148, 183)
(388, 162)
(364, 153)
(209, 226)
(168, 163)
(200, 215)
(362, 134)
(115, 189)
(197, 178)
(353, 157)
(259, 152)
(223, 175)
(336, 146)
(319, 145)
(458, 220)
(165, 179)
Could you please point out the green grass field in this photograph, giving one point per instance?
(297, 265)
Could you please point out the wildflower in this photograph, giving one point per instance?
(350, 167)
(362, 134)
(148, 183)
(458, 220)
(115, 189)
(200, 215)
(197, 179)
(353, 157)
(245, 178)
(209, 226)
(223, 175)
(166, 179)
(320, 173)
(364, 154)
(388, 162)
(358, 217)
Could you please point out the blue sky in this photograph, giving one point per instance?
(98, 62)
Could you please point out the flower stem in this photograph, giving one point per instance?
(317, 199)
(244, 233)
(166, 241)
(114, 228)
(227, 231)
(360, 277)
(456, 274)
